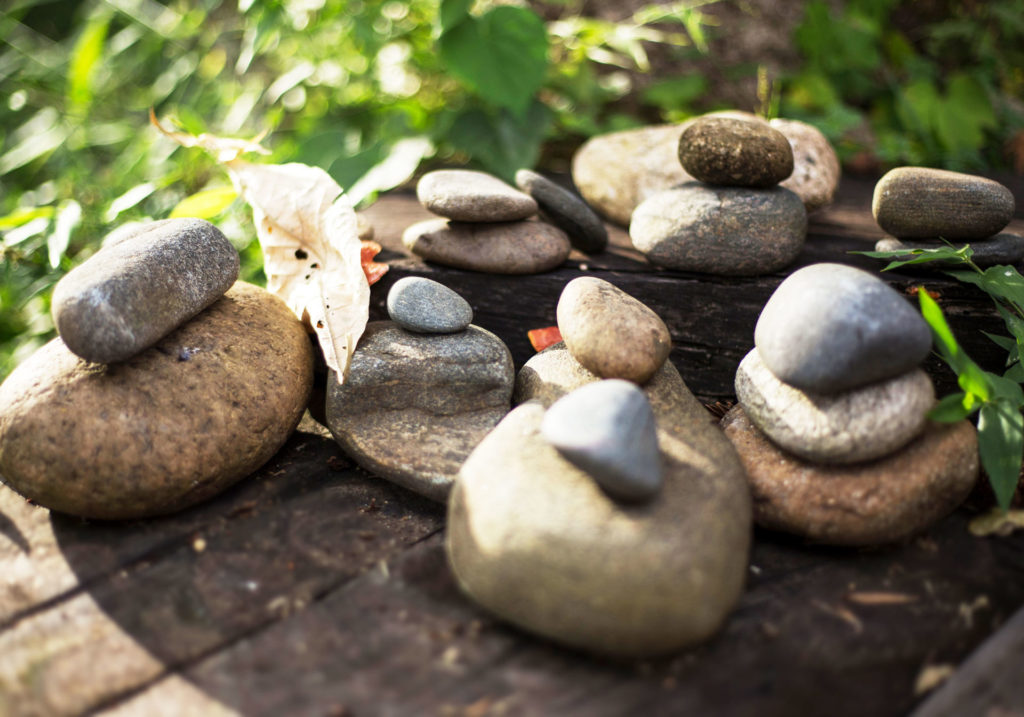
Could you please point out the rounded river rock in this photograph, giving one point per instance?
(468, 196)
(529, 247)
(848, 427)
(565, 210)
(870, 503)
(829, 328)
(415, 405)
(172, 426)
(136, 290)
(720, 230)
(428, 307)
(735, 153)
(816, 168)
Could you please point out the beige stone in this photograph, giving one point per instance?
(528, 247)
(816, 168)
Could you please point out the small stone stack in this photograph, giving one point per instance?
(832, 416)
(921, 206)
(486, 226)
(423, 389)
(169, 381)
(606, 512)
(734, 220)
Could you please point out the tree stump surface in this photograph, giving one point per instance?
(314, 588)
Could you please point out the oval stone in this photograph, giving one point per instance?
(565, 210)
(172, 426)
(468, 196)
(921, 203)
(500, 248)
(735, 153)
(857, 425)
(610, 332)
(720, 230)
(1003, 248)
(870, 503)
(816, 169)
(414, 406)
(428, 307)
(533, 539)
(830, 328)
(142, 286)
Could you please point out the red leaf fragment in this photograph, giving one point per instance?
(540, 339)
(374, 270)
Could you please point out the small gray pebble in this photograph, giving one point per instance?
(427, 307)
(565, 210)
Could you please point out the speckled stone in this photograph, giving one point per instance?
(467, 196)
(610, 332)
(565, 210)
(816, 169)
(415, 405)
(425, 306)
(170, 427)
(529, 247)
(735, 153)
(850, 427)
(830, 328)
(870, 503)
(922, 203)
(139, 288)
(721, 230)
(1003, 248)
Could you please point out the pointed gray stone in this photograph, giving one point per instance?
(607, 429)
(427, 307)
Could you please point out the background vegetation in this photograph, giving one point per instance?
(351, 85)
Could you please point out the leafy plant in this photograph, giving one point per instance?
(997, 399)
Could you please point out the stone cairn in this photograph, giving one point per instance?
(168, 383)
(921, 206)
(611, 472)
(831, 423)
(734, 219)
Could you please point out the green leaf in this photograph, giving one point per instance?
(502, 142)
(1000, 281)
(68, 217)
(24, 216)
(951, 409)
(205, 204)
(1001, 446)
(453, 12)
(1003, 342)
(920, 256)
(501, 56)
(400, 164)
(84, 57)
(676, 93)
(974, 381)
(1015, 372)
(942, 334)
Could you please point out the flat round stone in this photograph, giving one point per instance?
(1003, 248)
(468, 196)
(849, 427)
(428, 307)
(735, 153)
(565, 210)
(830, 328)
(922, 203)
(142, 286)
(720, 230)
(870, 503)
(529, 247)
(610, 332)
(607, 430)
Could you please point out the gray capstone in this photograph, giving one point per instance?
(468, 196)
(607, 429)
(1003, 248)
(565, 210)
(140, 287)
(427, 307)
(829, 328)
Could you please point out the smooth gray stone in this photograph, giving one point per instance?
(415, 405)
(464, 195)
(565, 210)
(607, 429)
(922, 203)
(1003, 248)
(142, 286)
(849, 427)
(735, 153)
(721, 230)
(527, 247)
(830, 328)
(427, 307)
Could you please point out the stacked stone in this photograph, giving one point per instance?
(832, 417)
(486, 226)
(734, 219)
(423, 389)
(606, 512)
(921, 206)
(168, 383)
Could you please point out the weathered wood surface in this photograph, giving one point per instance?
(313, 588)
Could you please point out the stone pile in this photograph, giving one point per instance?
(734, 219)
(423, 389)
(832, 417)
(485, 225)
(606, 512)
(169, 381)
(921, 206)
